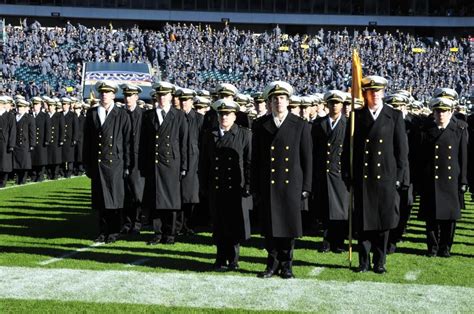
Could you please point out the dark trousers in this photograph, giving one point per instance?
(109, 221)
(3, 179)
(52, 171)
(37, 173)
(132, 216)
(78, 168)
(405, 211)
(440, 235)
(183, 217)
(164, 223)
(228, 251)
(375, 241)
(280, 252)
(67, 168)
(201, 216)
(334, 233)
(21, 176)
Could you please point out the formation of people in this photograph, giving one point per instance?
(309, 62)
(41, 138)
(220, 156)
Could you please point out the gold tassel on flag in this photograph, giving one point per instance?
(356, 93)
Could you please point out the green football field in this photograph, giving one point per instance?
(48, 263)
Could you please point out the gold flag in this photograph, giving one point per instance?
(356, 89)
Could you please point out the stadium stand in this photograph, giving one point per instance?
(200, 57)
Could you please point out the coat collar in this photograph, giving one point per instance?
(110, 117)
(270, 126)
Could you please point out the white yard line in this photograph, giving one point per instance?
(33, 183)
(226, 291)
(412, 275)
(67, 255)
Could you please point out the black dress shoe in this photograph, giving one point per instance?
(380, 270)
(124, 230)
(167, 240)
(325, 247)
(100, 238)
(134, 231)
(339, 250)
(268, 273)
(431, 254)
(444, 253)
(233, 266)
(154, 241)
(220, 268)
(362, 269)
(189, 232)
(287, 274)
(111, 239)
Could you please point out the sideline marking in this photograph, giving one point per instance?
(33, 183)
(226, 291)
(60, 258)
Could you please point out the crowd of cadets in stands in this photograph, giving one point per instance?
(49, 138)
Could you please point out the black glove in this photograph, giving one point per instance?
(304, 195)
(463, 188)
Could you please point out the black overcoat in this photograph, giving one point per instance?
(25, 139)
(190, 183)
(106, 153)
(444, 169)
(380, 160)
(163, 155)
(225, 162)
(7, 141)
(281, 170)
(71, 133)
(39, 156)
(470, 165)
(81, 119)
(56, 139)
(331, 196)
(135, 181)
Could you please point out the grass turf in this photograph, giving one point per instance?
(53, 219)
(36, 306)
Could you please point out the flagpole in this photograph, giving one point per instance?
(355, 93)
(351, 188)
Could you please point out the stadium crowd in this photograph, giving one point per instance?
(311, 63)
(210, 156)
